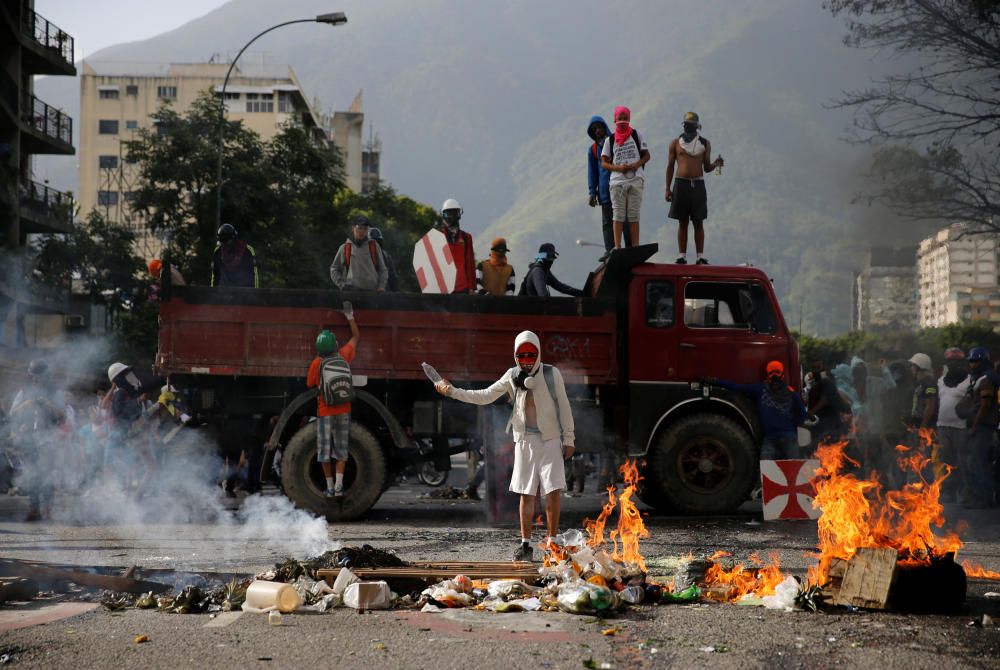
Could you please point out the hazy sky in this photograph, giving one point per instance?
(96, 24)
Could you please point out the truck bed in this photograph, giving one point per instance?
(241, 332)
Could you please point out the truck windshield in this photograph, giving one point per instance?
(728, 305)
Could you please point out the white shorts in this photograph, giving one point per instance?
(537, 465)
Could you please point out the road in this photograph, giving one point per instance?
(704, 635)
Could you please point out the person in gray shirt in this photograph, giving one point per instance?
(359, 263)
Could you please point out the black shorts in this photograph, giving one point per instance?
(690, 201)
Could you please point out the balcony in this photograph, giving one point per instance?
(48, 49)
(44, 209)
(49, 130)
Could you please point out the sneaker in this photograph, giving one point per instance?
(338, 494)
(473, 493)
(328, 493)
(681, 260)
(524, 553)
(702, 261)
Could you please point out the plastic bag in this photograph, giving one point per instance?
(571, 538)
(448, 596)
(521, 605)
(784, 595)
(585, 598)
(510, 588)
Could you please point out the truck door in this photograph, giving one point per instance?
(728, 329)
(652, 353)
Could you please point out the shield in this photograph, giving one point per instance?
(433, 263)
(787, 489)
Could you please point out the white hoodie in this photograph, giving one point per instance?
(551, 424)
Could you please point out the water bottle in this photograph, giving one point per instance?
(632, 594)
(431, 373)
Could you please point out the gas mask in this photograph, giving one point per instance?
(128, 381)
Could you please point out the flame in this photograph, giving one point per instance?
(631, 528)
(977, 571)
(754, 577)
(859, 513)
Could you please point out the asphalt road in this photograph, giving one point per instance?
(704, 635)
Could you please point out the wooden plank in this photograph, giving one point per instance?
(867, 579)
(110, 582)
(17, 588)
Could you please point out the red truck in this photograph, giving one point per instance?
(632, 354)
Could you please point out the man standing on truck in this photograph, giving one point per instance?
(359, 263)
(330, 373)
(780, 410)
(542, 422)
(540, 277)
(624, 155)
(234, 262)
(392, 281)
(688, 200)
(495, 276)
(599, 181)
(460, 244)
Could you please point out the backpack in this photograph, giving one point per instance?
(335, 381)
(968, 406)
(371, 250)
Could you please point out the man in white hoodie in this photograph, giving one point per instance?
(542, 422)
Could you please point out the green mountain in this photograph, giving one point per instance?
(488, 103)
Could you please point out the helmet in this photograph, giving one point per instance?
(37, 368)
(155, 266)
(451, 203)
(979, 354)
(326, 343)
(116, 369)
(226, 233)
(922, 361)
(775, 368)
(374, 234)
(954, 354)
(691, 117)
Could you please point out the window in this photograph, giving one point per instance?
(167, 92)
(728, 305)
(108, 94)
(107, 162)
(131, 89)
(659, 304)
(107, 198)
(107, 126)
(259, 102)
(129, 196)
(285, 102)
(232, 96)
(162, 129)
(131, 125)
(762, 319)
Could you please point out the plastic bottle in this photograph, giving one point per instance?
(264, 595)
(431, 373)
(633, 594)
(274, 618)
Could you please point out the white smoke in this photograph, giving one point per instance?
(275, 521)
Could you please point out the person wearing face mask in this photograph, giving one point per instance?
(542, 423)
(495, 276)
(780, 409)
(35, 413)
(624, 155)
(688, 199)
(539, 276)
(460, 244)
(980, 411)
(951, 431)
(359, 264)
(234, 262)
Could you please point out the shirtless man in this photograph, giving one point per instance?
(688, 200)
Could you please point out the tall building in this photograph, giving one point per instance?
(885, 291)
(30, 45)
(118, 98)
(957, 275)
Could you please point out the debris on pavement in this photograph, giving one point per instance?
(139, 639)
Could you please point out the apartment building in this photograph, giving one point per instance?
(30, 44)
(885, 291)
(958, 278)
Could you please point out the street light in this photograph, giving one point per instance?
(331, 19)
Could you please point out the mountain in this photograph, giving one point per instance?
(488, 103)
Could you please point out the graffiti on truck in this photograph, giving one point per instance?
(567, 348)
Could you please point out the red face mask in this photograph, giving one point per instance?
(527, 356)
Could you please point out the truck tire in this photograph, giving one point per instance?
(302, 477)
(704, 464)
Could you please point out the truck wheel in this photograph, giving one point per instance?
(704, 464)
(303, 482)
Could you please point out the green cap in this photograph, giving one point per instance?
(326, 343)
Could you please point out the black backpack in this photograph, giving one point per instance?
(635, 138)
(335, 380)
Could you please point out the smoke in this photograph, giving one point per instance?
(275, 521)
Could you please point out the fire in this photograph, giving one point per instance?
(977, 571)
(858, 513)
(754, 577)
(631, 528)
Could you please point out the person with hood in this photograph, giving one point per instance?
(780, 409)
(234, 262)
(495, 276)
(359, 264)
(460, 244)
(688, 199)
(826, 403)
(599, 181)
(869, 390)
(624, 155)
(542, 423)
(392, 281)
(540, 277)
(981, 413)
(950, 446)
(35, 413)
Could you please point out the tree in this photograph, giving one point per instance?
(937, 124)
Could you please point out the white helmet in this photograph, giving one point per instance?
(116, 369)
(922, 361)
(450, 203)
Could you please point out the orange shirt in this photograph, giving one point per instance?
(312, 379)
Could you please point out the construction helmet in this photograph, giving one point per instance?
(326, 343)
(37, 368)
(954, 354)
(922, 361)
(374, 234)
(451, 203)
(115, 369)
(155, 267)
(226, 233)
(979, 354)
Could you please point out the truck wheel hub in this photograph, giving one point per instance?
(705, 465)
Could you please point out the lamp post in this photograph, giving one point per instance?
(332, 19)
